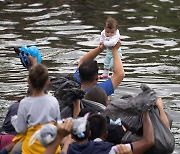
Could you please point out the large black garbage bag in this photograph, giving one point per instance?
(164, 139)
(91, 104)
(130, 108)
(67, 111)
(66, 90)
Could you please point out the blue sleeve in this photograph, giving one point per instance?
(107, 86)
(76, 76)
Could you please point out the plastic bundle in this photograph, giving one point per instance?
(66, 91)
(48, 132)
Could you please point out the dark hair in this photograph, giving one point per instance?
(111, 23)
(98, 125)
(90, 110)
(38, 75)
(88, 70)
(86, 133)
(96, 94)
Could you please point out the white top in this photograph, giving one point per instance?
(114, 148)
(109, 41)
(36, 110)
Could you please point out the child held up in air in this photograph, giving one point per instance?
(109, 37)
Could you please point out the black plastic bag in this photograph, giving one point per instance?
(130, 108)
(66, 90)
(67, 111)
(164, 139)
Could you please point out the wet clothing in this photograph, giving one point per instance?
(106, 85)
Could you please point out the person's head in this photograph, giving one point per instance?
(97, 94)
(90, 110)
(98, 126)
(87, 134)
(38, 77)
(111, 26)
(88, 71)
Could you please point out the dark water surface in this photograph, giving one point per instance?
(65, 30)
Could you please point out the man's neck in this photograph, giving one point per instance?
(86, 85)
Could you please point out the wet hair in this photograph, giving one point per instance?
(111, 23)
(97, 94)
(86, 134)
(38, 76)
(88, 70)
(98, 126)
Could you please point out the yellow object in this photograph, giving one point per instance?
(36, 147)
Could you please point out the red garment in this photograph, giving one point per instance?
(5, 139)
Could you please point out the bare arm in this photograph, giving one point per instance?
(118, 74)
(76, 108)
(162, 113)
(67, 140)
(92, 54)
(147, 141)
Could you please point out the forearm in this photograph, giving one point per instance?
(162, 113)
(90, 55)
(164, 118)
(147, 141)
(119, 74)
(51, 148)
(76, 108)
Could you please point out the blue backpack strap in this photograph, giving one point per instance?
(24, 59)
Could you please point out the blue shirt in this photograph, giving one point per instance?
(106, 85)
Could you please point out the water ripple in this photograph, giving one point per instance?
(152, 28)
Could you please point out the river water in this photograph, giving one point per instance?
(66, 30)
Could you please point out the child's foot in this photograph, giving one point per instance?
(103, 76)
